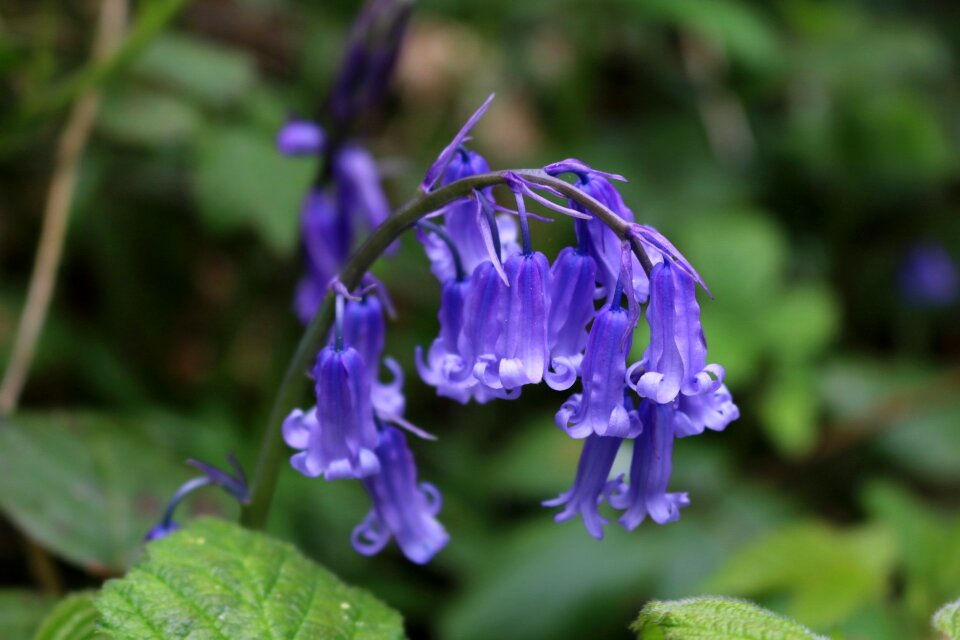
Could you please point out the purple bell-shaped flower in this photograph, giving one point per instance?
(338, 436)
(402, 508)
(601, 408)
(591, 486)
(676, 359)
(573, 278)
(650, 470)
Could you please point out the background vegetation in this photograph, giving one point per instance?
(796, 151)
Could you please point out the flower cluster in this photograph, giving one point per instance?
(509, 318)
(347, 193)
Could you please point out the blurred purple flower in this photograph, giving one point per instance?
(368, 60)
(402, 509)
(929, 276)
(301, 138)
(591, 486)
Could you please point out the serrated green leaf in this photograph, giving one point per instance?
(715, 618)
(209, 73)
(827, 574)
(243, 182)
(74, 618)
(214, 579)
(21, 612)
(947, 620)
(85, 486)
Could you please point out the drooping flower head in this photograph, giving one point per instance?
(326, 237)
(591, 486)
(573, 278)
(676, 359)
(402, 508)
(338, 436)
(594, 237)
(712, 410)
(601, 408)
(650, 470)
(521, 354)
(444, 367)
(234, 484)
(369, 60)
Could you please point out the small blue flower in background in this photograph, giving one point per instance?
(929, 276)
(233, 483)
(402, 508)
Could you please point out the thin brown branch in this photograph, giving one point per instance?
(73, 140)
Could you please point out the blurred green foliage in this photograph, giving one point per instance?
(793, 150)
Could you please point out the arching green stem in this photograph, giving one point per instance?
(271, 456)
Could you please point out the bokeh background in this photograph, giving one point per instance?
(803, 155)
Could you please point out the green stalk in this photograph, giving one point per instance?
(272, 454)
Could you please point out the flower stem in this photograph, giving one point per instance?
(271, 456)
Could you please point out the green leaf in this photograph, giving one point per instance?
(211, 74)
(715, 618)
(947, 620)
(21, 612)
(146, 117)
(214, 579)
(85, 486)
(74, 618)
(735, 26)
(908, 408)
(243, 182)
(827, 574)
(789, 409)
(928, 546)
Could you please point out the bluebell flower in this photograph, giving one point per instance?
(595, 237)
(364, 329)
(368, 61)
(712, 410)
(327, 237)
(233, 483)
(676, 359)
(521, 354)
(592, 484)
(601, 408)
(161, 530)
(571, 309)
(471, 226)
(439, 166)
(650, 469)
(402, 508)
(337, 437)
(359, 190)
(301, 138)
(929, 276)
(444, 367)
